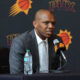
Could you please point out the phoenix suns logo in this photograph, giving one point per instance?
(20, 6)
(66, 37)
(10, 37)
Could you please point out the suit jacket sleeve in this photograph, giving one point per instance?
(16, 56)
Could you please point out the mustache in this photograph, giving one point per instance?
(49, 30)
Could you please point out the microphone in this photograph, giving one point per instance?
(59, 47)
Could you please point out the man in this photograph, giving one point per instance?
(44, 26)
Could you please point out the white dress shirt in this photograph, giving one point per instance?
(44, 60)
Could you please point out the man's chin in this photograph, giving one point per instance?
(49, 35)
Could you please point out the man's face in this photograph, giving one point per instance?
(45, 25)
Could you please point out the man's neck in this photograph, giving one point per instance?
(42, 38)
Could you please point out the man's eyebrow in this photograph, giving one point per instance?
(46, 21)
(49, 21)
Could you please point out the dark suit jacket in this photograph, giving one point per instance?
(28, 41)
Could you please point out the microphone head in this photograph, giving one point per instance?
(58, 45)
(55, 41)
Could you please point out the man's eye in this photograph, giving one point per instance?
(53, 23)
(45, 22)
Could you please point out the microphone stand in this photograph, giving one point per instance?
(60, 59)
(61, 66)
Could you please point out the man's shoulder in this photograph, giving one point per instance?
(23, 36)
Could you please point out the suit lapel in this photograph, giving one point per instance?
(35, 53)
(51, 52)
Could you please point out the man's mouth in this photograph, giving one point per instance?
(49, 32)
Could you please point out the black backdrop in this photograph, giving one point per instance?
(64, 20)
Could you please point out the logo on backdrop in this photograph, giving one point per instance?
(66, 37)
(10, 37)
(66, 5)
(20, 6)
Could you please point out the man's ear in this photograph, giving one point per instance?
(35, 24)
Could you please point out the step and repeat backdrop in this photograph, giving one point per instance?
(16, 17)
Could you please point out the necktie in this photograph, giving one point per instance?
(44, 57)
